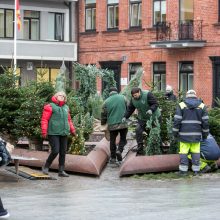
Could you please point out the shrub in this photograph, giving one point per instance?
(214, 123)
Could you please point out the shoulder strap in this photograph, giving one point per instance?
(182, 105)
(201, 106)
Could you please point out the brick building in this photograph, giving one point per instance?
(177, 42)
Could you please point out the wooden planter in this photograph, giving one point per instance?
(150, 164)
(92, 164)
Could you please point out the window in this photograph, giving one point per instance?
(186, 76)
(90, 15)
(49, 74)
(113, 14)
(133, 67)
(186, 10)
(31, 25)
(159, 11)
(135, 13)
(56, 26)
(6, 23)
(186, 28)
(159, 76)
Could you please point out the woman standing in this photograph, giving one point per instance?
(56, 123)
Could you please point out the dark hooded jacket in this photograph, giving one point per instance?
(191, 121)
(170, 96)
(209, 149)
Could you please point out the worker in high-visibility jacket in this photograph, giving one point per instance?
(190, 125)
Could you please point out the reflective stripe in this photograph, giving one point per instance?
(205, 130)
(205, 117)
(190, 133)
(195, 168)
(191, 122)
(183, 168)
(182, 105)
(178, 116)
(175, 129)
(201, 106)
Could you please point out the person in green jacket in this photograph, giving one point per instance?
(113, 111)
(147, 106)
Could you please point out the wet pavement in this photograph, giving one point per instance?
(111, 197)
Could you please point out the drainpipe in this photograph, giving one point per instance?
(70, 6)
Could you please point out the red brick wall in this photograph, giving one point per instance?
(135, 45)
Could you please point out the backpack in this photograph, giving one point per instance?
(5, 156)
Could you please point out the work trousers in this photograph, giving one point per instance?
(194, 150)
(122, 142)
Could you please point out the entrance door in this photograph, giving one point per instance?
(115, 66)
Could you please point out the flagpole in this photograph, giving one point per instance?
(15, 38)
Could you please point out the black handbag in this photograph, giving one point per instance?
(5, 156)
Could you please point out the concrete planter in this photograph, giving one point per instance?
(150, 164)
(92, 164)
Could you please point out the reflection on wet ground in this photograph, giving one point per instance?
(111, 197)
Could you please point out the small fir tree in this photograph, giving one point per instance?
(10, 100)
(136, 81)
(153, 142)
(173, 143)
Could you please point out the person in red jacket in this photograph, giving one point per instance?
(56, 123)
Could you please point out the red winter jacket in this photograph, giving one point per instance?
(47, 112)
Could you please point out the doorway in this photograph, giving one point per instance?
(115, 66)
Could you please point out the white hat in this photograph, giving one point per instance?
(191, 93)
(169, 88)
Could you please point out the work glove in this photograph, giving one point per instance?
(123, 120)
(149, 112)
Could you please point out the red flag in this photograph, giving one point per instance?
(18, 15)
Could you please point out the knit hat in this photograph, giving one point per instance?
(191, 93)
(169, 88)
(113, 89)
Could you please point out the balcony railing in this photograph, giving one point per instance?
(179, 31)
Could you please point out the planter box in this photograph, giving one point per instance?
(92, 164)
(150, 164)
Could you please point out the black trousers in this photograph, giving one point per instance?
(140, 128)
(58, 146)
(122, 142)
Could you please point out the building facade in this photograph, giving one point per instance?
(46, 39)
(177, 42)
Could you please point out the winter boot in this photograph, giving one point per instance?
(112, 161)
(45, 169)
(213, 166)
(182, 173)
(118, 155)
(62, 173)
(4, 214)
(206, 169)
